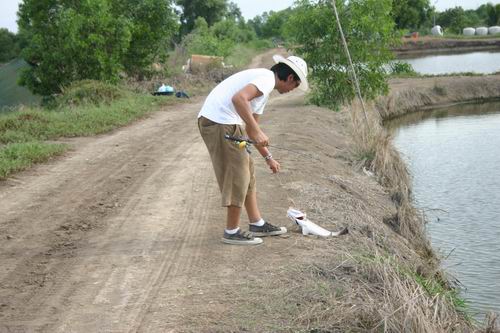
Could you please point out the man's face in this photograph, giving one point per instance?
(288, 85)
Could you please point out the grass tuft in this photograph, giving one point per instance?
(87, 108)
(19, 156)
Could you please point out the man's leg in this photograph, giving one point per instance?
(252, 208)
(258, 226)
(233, 217)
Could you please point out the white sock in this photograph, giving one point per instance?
(231, 231)
(259, 223)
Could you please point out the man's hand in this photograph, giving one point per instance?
(273, 165)
(258, 137)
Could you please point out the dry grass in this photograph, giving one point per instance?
(374, 142)
(412, 302)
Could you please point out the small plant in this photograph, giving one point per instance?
(400, 68)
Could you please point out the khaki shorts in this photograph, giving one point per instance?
(234, 168)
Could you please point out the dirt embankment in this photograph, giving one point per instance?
(122, 234)
(408, 95)
(426, 45)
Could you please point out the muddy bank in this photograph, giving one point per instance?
(408, 95)
(432, 45)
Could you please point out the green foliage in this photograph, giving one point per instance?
(400, 68)
(71, 42)
(368, 27)
(211, 11)
(152, 27)
(86, 108)
(455, 19)
(203, 41)
(493, 14)
(90, 39)
(229, 29)
(9, 45)
(88, 118)
(271, 25)
(411, 14)
(88, 92)
(218, 40)
(19, 156)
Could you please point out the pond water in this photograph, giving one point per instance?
(454, 157)
(476, 62)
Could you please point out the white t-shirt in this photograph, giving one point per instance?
(218, 106)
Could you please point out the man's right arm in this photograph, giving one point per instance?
(241, 101)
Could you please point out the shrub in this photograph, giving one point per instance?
(88, 92)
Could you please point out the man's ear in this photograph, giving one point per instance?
(290, 78)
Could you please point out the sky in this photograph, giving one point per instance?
(249, 8)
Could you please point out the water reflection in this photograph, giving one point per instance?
(453, 155)
(474, 62)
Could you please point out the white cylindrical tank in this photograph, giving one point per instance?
(437, 30)
(469, 31)
(481, 31)
(494, 30)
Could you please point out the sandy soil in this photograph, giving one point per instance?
(122, 234)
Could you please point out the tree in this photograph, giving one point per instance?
(203, 41)
(270, 24)
(411, 14)
(152, 27)
(211, 10)
(493, 12)
(453, 20)
(234, 13)
(273, 26)
(236, 32)
(368, 27)
(89, 39)
(9, 46)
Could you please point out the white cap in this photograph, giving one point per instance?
(298, 65)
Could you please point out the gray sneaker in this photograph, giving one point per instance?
(241, 238)
(267, 230)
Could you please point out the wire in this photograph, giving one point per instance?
(355, 77)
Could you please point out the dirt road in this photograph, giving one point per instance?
(122, 234)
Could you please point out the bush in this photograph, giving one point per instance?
(91, 39)
(202, 40)
(88, 92)
(402, 68)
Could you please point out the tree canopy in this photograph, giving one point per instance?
(91, 39)
(9, 45)
(211, 11)
(411, 14)
(369, 29)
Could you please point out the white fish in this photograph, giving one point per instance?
(310, 228)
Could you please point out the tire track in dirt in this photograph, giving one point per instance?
(82, 201)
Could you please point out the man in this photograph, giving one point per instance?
(239, 99)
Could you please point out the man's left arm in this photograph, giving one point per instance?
(266, 154)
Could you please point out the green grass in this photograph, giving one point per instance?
(42, 124)
(23, 131)
(454, 36)
(19, 156)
